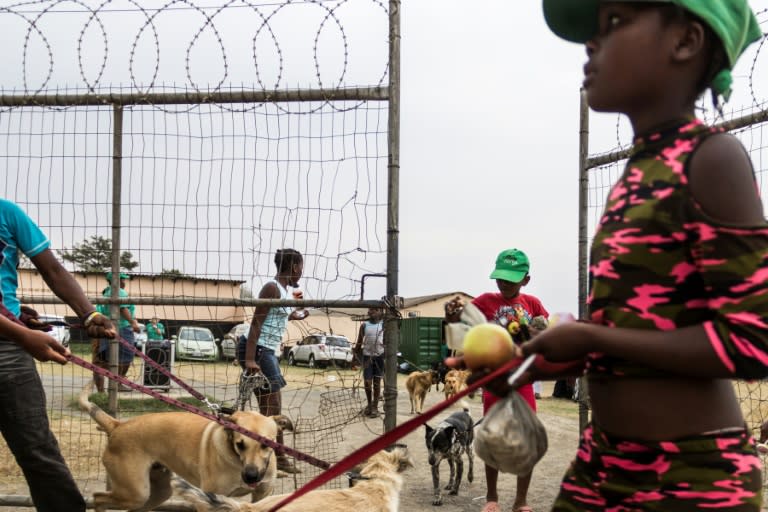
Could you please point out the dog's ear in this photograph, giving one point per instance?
(429, 429)
(283, 422)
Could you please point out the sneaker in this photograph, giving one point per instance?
(537, 396)
(286, 466)
(367, 410)
(373, 413)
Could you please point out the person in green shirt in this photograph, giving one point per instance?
(155, 330)
(127, 326)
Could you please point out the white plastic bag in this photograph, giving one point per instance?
(455, 332)
(511, 438)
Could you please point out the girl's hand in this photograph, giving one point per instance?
(252, 367)
(562, 343)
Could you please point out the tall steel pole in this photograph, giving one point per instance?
(391, 323)
(583, 240)
(117, 180)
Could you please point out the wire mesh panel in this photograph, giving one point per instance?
(239, 129)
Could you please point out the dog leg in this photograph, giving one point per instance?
(438, 497)
(459, 472)
(471, 458)
(452, 476)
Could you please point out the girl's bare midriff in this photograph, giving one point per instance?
(662, 409)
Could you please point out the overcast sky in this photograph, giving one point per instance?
(489, 115)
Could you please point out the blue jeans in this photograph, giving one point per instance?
(125, 355)
(24, 425)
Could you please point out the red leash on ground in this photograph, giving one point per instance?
(398, 432)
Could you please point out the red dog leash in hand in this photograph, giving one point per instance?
(398, 432)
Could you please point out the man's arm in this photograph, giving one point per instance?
(61, 282)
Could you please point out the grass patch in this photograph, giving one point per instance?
(139, 405)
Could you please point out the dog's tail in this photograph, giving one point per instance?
(104, 420)
(203, 501)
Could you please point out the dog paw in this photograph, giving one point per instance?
(437, 502)
(454, 492)
(448, 487)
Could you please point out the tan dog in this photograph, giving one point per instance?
(417, 384)
(455, 381)
(142, 452)
(377, 490)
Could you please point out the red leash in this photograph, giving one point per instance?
(390, 437)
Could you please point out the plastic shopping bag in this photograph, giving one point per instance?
(511, 438)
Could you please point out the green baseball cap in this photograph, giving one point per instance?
(511, 265)
(731, 20)
(108, 275)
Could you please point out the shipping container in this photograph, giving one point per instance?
(420, 340)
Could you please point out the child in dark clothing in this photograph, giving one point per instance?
(678, 301)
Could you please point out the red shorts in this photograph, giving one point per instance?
(525, 391)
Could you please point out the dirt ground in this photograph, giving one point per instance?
(328, 429)
(560, 417)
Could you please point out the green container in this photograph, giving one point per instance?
(420, 340)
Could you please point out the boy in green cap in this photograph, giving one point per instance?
(678, 301)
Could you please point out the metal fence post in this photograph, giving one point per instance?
(391, 326)
(583, 395)
(117, 178)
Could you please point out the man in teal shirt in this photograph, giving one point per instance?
(127, 326)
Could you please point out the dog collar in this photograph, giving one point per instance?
(355, 475)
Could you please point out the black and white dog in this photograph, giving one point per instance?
(449, 440)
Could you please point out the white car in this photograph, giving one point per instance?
(230, 340)
(196, 343)
(59, 330)
(322, 350)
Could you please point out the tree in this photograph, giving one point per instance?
(95, 255)
(172, 273)
(245, 292)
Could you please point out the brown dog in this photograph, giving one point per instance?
(377, 490)
(417, 384)
(142, 452)
(455, 381)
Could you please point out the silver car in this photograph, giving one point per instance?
(322, 350)
(229, 342)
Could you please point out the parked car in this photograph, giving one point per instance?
(59, 329)
(195, 343)
(229, 342)
(322, 350)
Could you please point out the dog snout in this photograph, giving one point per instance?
(252, 475)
